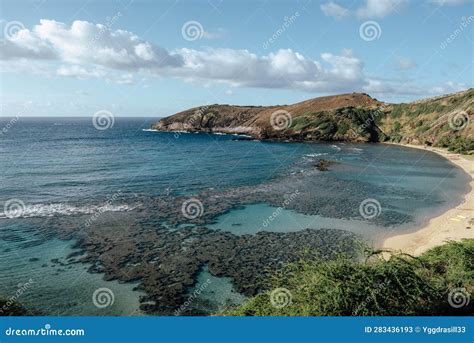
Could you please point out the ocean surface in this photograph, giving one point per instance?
(53, 168)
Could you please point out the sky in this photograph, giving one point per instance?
(155, 58)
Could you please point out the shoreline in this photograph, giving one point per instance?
(452, 225)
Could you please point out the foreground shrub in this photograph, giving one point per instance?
(435, 283)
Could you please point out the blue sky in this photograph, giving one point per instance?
(136, 58)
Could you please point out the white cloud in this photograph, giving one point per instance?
(24, 44)
(284, 68)
(449, 87)
(123, 79)
(89, 50)
(369, 10)
(334, 10)
(380, 8)
(84, 42)
(84, 50)
(404, 63)
(399, 88)
(79, 72)
(448, 2)
(212, 35)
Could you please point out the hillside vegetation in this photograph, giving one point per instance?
(439, 282)
(443, 121)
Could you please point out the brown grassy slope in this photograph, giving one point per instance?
(257, 121)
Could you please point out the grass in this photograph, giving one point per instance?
(401, 285)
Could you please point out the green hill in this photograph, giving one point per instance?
(443, 121)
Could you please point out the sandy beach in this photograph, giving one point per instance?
(455, 224)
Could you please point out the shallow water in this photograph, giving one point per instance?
(35, 272)
(65, 168)
(262, 217)
(214, 294)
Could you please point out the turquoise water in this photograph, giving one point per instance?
(49, 286)
(66, 169)
(262, 217)
(215, 294)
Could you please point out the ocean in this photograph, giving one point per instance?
(84, 211)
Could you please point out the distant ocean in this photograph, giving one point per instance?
(61, 169)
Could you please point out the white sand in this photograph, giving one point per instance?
(455, 224)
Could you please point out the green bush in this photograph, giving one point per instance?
(456, 144)
(342, 128)
(397, 127)
(401, 285)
